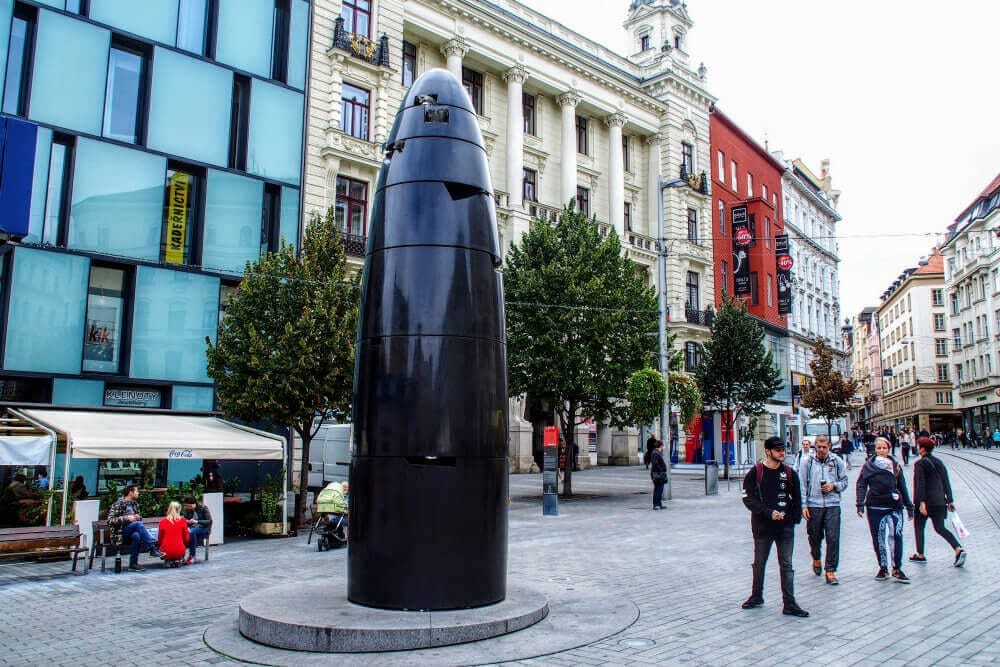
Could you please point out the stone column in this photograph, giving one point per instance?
(515, 77)
(603, 444)
(616, 175)
(652, 182)
(454, 50)
(568, 102)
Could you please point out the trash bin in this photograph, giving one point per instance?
(711, 477)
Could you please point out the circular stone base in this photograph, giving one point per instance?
(307, 617)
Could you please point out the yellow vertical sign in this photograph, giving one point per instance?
(177, 213)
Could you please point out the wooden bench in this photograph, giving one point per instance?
(41, 541)
(102, 546)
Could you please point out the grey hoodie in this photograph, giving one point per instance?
(812, 472)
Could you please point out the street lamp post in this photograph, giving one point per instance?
(661, 265)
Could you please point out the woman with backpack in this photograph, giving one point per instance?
(881, 490)
(933, 498)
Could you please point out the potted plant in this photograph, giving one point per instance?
(271, 511)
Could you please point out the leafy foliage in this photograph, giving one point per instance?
(646, 392)
(579, 316)
(684, 392)
(285, 351)
(827, 393)
(737, 374)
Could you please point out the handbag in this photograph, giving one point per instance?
(659, 476)
(956, 522)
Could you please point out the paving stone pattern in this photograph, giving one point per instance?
(687, 568)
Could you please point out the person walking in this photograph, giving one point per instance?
(658, 473)
(995, 439)
(906, 442)
(881, 490)
(823, 477)
(772, 493)
(933, 498)
(804, 453)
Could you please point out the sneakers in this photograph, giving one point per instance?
(831, 578)
(136, 568)
(190, 560)
(795, 610)
(915, 558)
(155, 553)
(817, 568)
(900, 577)
(960, 557)
(882, 574)
(753, 602)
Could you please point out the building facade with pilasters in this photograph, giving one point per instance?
(563, 119)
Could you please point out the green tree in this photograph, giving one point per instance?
(827, 393)
(579, 316)
(646, 392)
(737, 373)
(285, 350)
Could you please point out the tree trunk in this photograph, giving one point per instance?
(731, 430)
(299, 520)
(570, 434)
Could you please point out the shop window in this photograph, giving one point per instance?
(106, 305)
(57, 205)
(528, 106)
(279, 40)
(354, 109)
(239, 122)
(581, 135)
(19, 57)
(583, 200)
(357, 15)
(351, 214)
(472, 81)
(195, 22)
(125, 97)
(409, 61)
(181, 219)
(529, 184)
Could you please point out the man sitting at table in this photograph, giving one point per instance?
(199, 520)
(126, 528)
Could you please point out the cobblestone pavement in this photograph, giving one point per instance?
(686, 568)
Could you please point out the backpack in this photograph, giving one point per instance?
(759, 475)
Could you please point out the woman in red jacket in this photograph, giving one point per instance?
(173, 534)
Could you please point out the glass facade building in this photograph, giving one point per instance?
(156, 152)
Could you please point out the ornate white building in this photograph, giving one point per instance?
(562, 118)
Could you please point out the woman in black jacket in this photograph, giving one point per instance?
(933, 498)
(658, 473)
(881, 490)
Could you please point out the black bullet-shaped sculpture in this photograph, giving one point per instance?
(429, 491)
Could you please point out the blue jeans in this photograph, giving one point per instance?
(136, 534)
(658, 493)
(197, 532)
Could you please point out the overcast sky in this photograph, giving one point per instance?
(901, 96)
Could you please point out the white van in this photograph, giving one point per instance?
(816, 427)
(330, 455)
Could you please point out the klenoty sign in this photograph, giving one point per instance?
(132, 398)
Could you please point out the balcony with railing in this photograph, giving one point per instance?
(698, 183)
(360, 46)
(354, 244)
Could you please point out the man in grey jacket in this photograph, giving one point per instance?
(823, 478)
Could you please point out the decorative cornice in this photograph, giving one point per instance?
(516, 74)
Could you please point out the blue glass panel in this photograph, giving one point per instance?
(297, 44)
(71, 61)
(77, 392)
(189, 109)
(117, 200)
(244, 35)
(183, 471)
(157, 19)
(58, 4)
(289, 224)
(17, 162)
(174, 312)
(6, 11)
(39, 186)
(192, 19)
(232, 221)
(193, 398)
(275, 149)
(48, 298)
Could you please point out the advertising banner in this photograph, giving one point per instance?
(783, 261)
(177, 218)
(742, 237)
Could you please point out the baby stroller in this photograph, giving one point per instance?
(331, 520)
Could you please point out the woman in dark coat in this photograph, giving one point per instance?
(881, 491)
(933, 498)
(658, 473)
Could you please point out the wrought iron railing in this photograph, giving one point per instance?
(354, 244)
(698, 183)
(695, 316)
(361, 46)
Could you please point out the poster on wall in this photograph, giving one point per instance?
(100, 347)
(784, 262)
(742, 237)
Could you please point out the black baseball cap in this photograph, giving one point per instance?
(774, 442)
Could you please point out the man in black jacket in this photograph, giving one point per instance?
(933, 498)
(199, 520)
(771, 493)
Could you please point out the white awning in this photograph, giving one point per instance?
(25, 450)
(119, 435)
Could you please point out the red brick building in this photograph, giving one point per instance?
(746, 188)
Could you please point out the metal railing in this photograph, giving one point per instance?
(360, 46)
(696, 316)
(354, 244)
